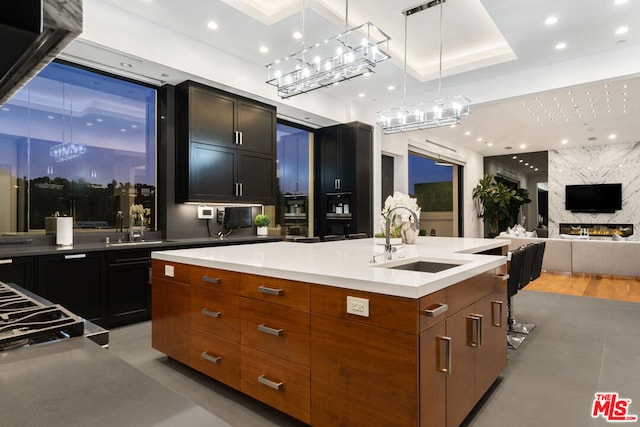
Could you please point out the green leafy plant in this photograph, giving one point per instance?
(497, 202)
(262, 220)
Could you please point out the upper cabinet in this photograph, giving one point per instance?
(226, 147)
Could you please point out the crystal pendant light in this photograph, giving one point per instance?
(425, 115)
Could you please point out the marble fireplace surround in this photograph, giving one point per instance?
(596, 164)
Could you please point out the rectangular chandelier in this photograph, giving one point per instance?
(342, 57)
(441, 112)
(67, 151)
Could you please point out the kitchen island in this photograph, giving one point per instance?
(323, 334)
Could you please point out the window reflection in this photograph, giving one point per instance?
(76, 143)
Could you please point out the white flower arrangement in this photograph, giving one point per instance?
(136, 211)
(402, 219)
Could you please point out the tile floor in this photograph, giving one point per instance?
(580, 346)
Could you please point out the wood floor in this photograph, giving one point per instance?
(597, 286)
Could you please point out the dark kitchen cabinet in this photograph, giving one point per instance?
(129, 287)
(226, 147)
(18, 271)
(344, 179)
(75, 281)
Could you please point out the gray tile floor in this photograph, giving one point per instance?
(580, 346)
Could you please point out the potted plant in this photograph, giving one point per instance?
(262, 221)
(496, 202)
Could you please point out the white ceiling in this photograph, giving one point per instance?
(525, 93)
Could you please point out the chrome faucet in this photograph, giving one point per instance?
(388, 250)
(133, 235)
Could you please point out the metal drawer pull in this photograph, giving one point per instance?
(210, 313)
(435, 310)
(270, 291)
(476, 330)
(6, 261)
(211, 279)
(271, 331)
(499, 305)
(210, 358)
(444, 346)
(75, 256)
(274, 385)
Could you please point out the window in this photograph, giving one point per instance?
(77, 143)
(435, 185)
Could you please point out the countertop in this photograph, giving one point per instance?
(18, 250)
(346, 263)
(77, 383)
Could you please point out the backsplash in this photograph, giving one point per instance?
(598, 164)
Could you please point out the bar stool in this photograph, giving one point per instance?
(513, 285)
(530, 254)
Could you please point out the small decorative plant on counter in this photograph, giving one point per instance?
(262, 221)
(402, 220)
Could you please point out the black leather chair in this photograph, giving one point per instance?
(537, 263)
(530, 254)
(513, 285)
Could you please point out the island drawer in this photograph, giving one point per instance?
(170, 270)
(469, 291)
(216, 357)
(216, 312)
(213, 278)
(278, 291)
(277, 330)
(276, 382)
(390, 312)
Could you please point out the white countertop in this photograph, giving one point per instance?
(346, 263)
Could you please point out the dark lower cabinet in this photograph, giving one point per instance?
(75, 281)
(18, 271)
(129, 287)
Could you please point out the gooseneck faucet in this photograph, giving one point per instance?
(387, 227)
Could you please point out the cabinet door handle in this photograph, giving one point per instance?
(241, 190)
(273, 384)
(444, 355)
(237, 137)
(240, 137)
(207, 312)
(271, 331)
(208, 279)
(476, 330)
(149, 275)
(6, 261)
(210, 358)
(496, 320)
(270, 291)
(75, 256)
(237, 192)
(435, 310)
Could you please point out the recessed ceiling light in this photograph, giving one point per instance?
(297, 35)
(489, 144)
(126, 64)
(367, 74)
(523, 146)
(565, 141)
(531, 167)
(123, 130)
(536, 169)
(134, 126)
(551, 20)
(618, 2)
(467, 133)
(479, 139)
(613, 136)
(50, 117)
(391, 87)
(526, 164)
(6, 109)
(361, 95)
(89, 124)
(520, 161)
(515, 157)
(212, 25)
(622, 30)
(98, 119)
(561, 45)
(264, 49)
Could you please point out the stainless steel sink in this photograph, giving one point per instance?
(138, 243)
(425, 266)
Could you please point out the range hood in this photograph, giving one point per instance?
(33, 32)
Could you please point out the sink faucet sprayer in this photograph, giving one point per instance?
(388, 249)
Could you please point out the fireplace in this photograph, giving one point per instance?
(597, 230)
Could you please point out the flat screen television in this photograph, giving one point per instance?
(594, 198)
(236, 217)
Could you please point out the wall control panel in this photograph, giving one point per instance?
(206, 212)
